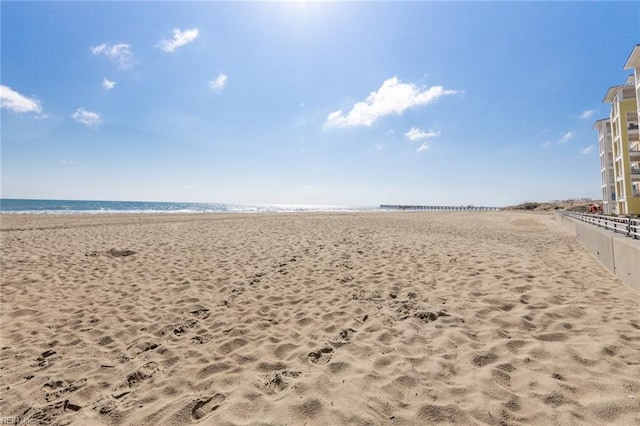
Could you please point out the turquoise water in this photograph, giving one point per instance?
(82, 206)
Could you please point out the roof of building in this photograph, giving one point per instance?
(634, 58)
(602, 120)
(608, 98)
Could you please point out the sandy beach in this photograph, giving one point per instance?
(485, 318)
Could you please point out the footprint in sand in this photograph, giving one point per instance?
(277, 383)
(138, 348)
(200, 340)
(182, 328)
(206, 405)
(484, 359)
(49, 413)
(430, 316)
(202, 313)
(120, 253)
(141, 374)
(43, 360)
(57, 388)
(346, 333)
(321, 356)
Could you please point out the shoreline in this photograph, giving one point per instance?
(10, 221)
(319, 318)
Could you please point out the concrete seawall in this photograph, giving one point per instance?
(620, 254)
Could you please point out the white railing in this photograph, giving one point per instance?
(623, 225)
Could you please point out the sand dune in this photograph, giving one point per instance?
(494, 318)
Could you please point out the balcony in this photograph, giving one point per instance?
(634, 155)
(635, 174)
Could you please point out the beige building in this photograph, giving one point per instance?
(607, 176)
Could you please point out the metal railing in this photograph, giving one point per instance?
(433, 208)
(623, 225)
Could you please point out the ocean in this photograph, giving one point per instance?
(96, 207)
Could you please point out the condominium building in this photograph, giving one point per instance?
(625, 147)
(634, 63)
(634, 143)
(607, 176)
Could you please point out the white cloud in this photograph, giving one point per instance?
(587, 114)
(424, 147)
(393, 97)
(379, 147)
(415, 134)
(16, 102)
(87, 118)
(70, 162)
(588, 149)
(120, 53)
(566, 137)
(546, 144)
(180, 38)
(107, 84)
(219, 83)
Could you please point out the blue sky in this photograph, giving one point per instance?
(360, 103)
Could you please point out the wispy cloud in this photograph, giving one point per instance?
(218, 83)
(393, 97)
(107, 84)
(587, 114)
(415, 134)
(546, 144)
(180, 38)
(14, 101)
(88, 118)
(588, 149)
(566, 137)
(120, 53)
(423, 147)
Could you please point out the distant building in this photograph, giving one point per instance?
(625, 144)
(607, 176)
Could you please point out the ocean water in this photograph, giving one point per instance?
(95, 207)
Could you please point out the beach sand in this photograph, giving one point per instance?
(497, 318)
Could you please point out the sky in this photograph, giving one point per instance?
(343, 103)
